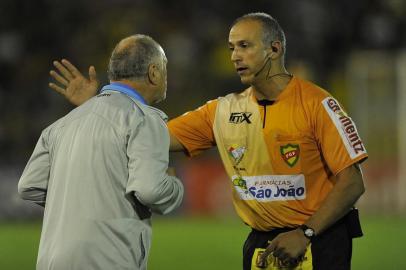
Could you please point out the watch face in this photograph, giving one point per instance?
(309, 232)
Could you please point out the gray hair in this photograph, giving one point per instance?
(132, 56)
(271, 30)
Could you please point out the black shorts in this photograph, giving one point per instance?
(330, 251)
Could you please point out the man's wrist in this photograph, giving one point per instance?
(308, 232)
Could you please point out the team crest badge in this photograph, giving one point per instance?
(290, 154)
(237, 153)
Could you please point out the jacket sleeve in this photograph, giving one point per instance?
(148, 152)
(33, 183)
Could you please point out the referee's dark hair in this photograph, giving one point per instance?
(132, 56)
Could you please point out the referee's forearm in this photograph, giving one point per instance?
(347, 190)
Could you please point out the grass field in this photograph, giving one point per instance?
(210, 244)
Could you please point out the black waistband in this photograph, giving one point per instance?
(351, 221)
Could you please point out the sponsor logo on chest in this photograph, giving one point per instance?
(268, 188)
(240, 117)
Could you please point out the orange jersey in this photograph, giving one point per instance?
(306, 132)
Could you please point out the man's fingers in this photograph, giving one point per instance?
(58, 78)
(277, 253)
(56, 88)
(75, 72)
(62, 69)
(281, 255)
(268, 250)
(92, 74)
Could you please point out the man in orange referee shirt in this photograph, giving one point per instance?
(292, 153)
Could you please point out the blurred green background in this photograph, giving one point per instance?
(202, 243)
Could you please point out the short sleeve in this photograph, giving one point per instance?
(194, 129)
(337, 135)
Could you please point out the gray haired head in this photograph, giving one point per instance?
(132, 56)
(271, 30)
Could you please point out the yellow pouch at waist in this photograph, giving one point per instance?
(275, 264)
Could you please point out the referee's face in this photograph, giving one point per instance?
(248, 52)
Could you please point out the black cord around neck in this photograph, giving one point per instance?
(278, 74)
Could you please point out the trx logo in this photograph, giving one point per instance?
(345, 126)
(240, 117)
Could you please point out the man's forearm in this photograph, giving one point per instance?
(343, 196)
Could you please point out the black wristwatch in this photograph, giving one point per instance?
(307, 231)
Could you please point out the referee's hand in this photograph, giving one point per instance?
(288, 247)
(72, 84)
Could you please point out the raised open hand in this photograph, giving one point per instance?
(74, 86)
